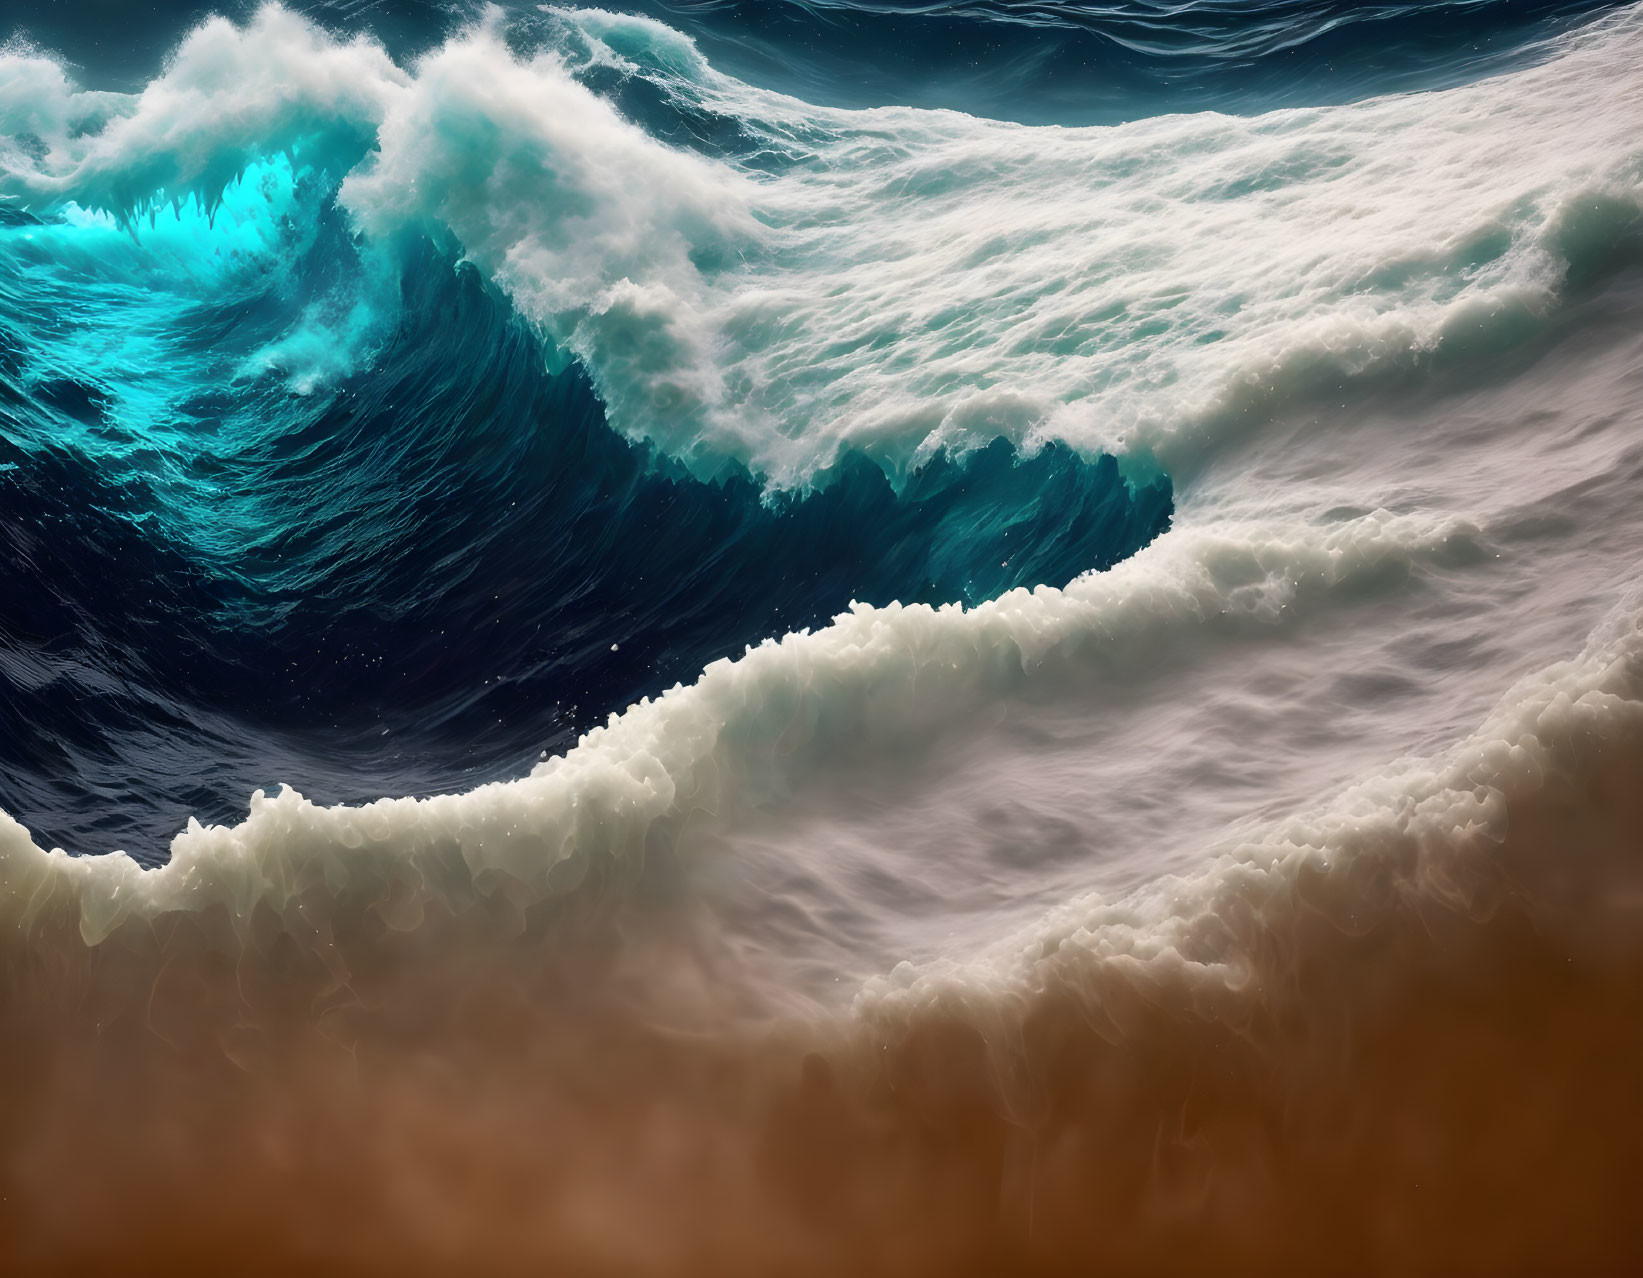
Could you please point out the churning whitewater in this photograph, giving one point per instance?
(701, 673)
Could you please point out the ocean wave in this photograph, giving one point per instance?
(763, 302)
(1197, 910)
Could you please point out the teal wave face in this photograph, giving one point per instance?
(178, 346)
